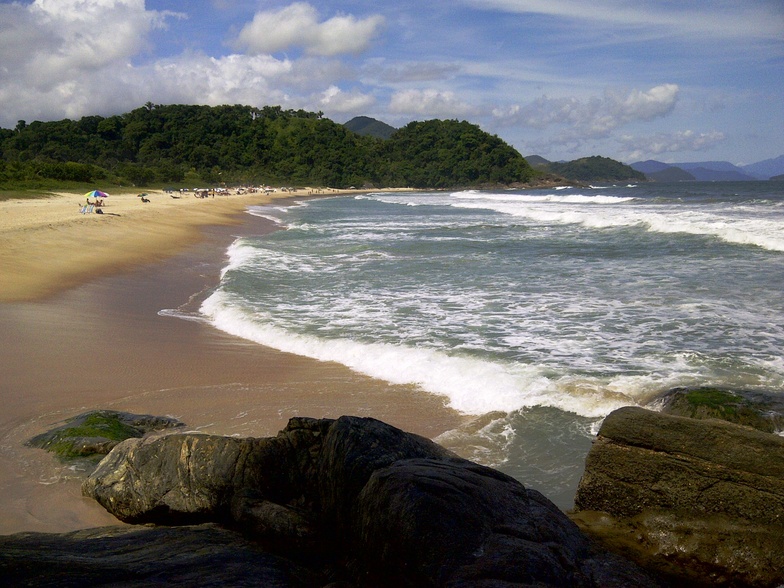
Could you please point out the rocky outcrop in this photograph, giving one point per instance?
(94, 434)
(698, 500)
(744, 407)
(359, 501)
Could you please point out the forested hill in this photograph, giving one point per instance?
(364, 125)
(590, 169)
(158, 144)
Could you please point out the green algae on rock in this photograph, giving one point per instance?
(761, 411)
(95, 433)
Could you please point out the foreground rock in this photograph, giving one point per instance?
(699, 500)
(205, 556)
(359, 501)
(95, 433)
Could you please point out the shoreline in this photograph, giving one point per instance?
(47, 245)
(97, 340)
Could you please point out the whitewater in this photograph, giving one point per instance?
(537, 311)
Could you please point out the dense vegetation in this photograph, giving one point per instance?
(595, 168)
(440, 154)
(364, 125)
(158, 144)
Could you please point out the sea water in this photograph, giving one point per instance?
(537, 311)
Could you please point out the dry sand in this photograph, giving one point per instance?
(47, 245)
(80, 328)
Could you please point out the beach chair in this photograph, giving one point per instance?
(87, 208)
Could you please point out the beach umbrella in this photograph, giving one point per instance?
(96, 194)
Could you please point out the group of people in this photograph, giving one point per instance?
(92, 206)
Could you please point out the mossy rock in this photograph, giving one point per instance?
(94, 434)
(761, 411)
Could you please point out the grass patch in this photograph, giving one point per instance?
(24, 194)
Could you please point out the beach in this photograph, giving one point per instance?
(80, 312)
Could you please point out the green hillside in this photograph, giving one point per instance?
(366, 126)
(595, 169)
(158, 144)
(442, 154)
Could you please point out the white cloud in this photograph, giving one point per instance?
(69, 37)
(429, 103)
(404, 72)
(338, 101)
(714, 18)
(71, 58)
(681, 141)
(297, 25)
(63, 57)
(228, 80)
(592, 118)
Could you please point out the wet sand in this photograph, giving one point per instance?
(104, 344)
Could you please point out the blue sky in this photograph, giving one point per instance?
(687, 80)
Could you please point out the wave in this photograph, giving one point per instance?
(727, 226)
(470, 385)
(523, 198)
(269, 217)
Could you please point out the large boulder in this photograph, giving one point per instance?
(699, 500)
(362, 502)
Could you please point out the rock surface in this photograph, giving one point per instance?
(701, 500)
(205, 556)
(359, 501)
(744, 407)
(95, 433)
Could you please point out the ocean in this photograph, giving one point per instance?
(536, 312)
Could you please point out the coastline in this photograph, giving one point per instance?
(47, 245)
(85, 333)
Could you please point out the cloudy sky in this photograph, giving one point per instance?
(672, 80)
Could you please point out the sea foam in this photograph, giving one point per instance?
(602, 211)
(470, 385)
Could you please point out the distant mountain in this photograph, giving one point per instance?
(657, 171)
(777, 178)
(536, 161)
(765, 169)
(671, 174)
(715, 171)
(650, 166)
(364, 125)
(594, 169)
(724, 166)
(703, 174)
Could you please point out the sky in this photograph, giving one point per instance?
(670, 80)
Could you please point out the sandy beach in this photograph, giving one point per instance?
(47, 245)
(80, 302)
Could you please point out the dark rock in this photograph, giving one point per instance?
(205, 556)
(426, 522)
(362, 502)
(175, 479)
(701, 500)
(750, 408)
(95, 433)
